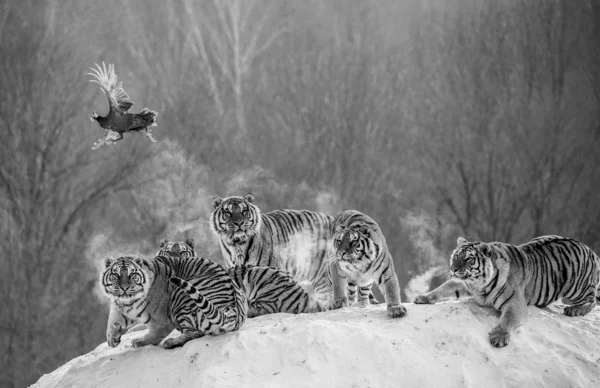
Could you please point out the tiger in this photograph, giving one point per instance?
(296, 241)
(509, 277)
(361, 258)
(268, 290)
(184, 249)
(271, 291)
(193, 295)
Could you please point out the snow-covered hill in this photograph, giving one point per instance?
(443, 345)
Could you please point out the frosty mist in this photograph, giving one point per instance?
(426, 234)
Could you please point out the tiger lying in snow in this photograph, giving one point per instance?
(508, 278)
(193, 295)
(268, 290)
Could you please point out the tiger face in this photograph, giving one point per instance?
(235, 218)
(351, 243)
(471, 262)
(356, 243)
(183, 249)
(126, 278)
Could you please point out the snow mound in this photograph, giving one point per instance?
(443, 345)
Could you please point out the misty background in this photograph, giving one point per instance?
(478, 118)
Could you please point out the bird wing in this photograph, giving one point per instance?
(107, 79)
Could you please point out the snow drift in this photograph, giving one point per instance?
(443, 345)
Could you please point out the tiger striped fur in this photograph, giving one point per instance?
(184, 249)
(509, 278)
(271, 291)
(268, 290)
(296, 241)
(167, 248)
(141, 292)
(362, 257)
(225, 320)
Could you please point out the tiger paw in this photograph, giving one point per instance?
(172, 343)
(499, 337)
(396, 311)
(362, 303)
(140, 342)
(578, 311)
(424, 299)
(339, 303)
(113, 335)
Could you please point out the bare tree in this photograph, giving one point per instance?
(480, 117)
(498, 157)
(51, 181)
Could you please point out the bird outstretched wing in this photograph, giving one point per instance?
(107, 79)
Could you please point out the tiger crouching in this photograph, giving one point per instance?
(295, 241)
(509, 278)
(183, 249)
(193, 295)
(362, 257)
(268, 290)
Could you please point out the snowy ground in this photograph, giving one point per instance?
(443, 345)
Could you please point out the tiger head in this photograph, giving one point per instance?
(183, 249)
(472, 262)
(127, 278)
(357, 239)
(235, 218)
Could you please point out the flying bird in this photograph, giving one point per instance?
(118, 120)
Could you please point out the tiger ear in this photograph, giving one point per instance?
(485, 250)
(217, 201)
(461, 241)
(249, 197)
(190, 242)
(163, 242)
(138, 260)
(108, 261)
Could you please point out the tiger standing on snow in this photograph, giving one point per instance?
(509, 278)
(295, 241)
(193, 295)
(362, 257)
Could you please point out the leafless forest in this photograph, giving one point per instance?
(463, 117)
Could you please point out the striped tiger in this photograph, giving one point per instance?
(184, 249)
(511, 277)
(296, 241)
(179, 248)
(271, 291)
(193, 295)
(268, 290)
(362, 257)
